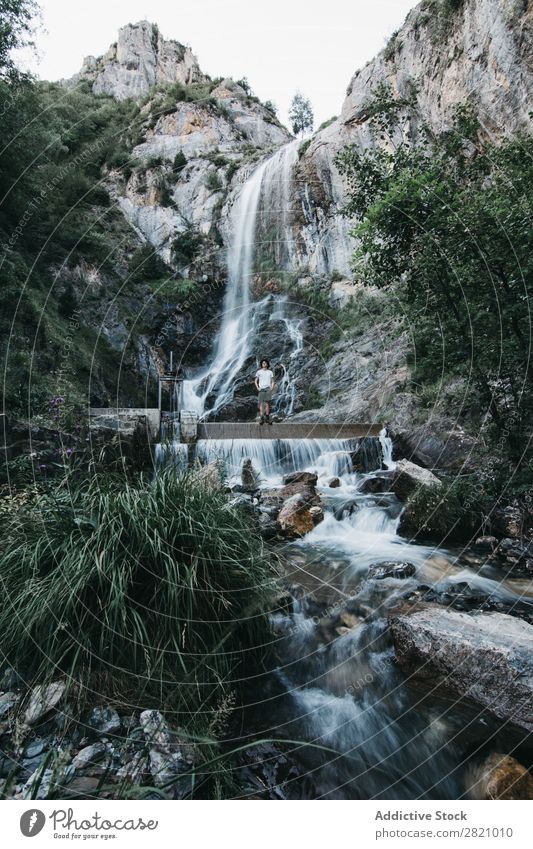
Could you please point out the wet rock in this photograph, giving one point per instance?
(170, 755)
(89, 755)
(249, 479)
(438, 444)
(408, 476)
(270, 773)
(368, 456)
(498, 777)
(378, 571)
(486, 543)
(104, 721)
(317, 514)
(42, 700)
(485, 657)
(210, 476)
(334, 483)
(295, 518)
(377, 483)
(244, 502)
(268, 527)
(515, 556)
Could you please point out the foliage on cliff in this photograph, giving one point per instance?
(446, 222)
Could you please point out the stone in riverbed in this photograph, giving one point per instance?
(408, 476)
(379, 571)
(295, 518)
(499, 777)
(43, 699)
(334, 483)
(249, 478)
(485, 657)
(317, 514)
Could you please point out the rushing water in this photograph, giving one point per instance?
(363, 732)
(261, 207)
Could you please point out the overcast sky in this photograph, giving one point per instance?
(280, 45)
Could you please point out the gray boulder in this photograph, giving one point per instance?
(408, 476)
(484, 657)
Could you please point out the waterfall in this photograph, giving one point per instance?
(386, 447)
(267, 191)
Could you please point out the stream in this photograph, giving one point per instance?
(368, 734)
(361, 730)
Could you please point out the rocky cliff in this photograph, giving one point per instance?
(140, 59)
(447, 53)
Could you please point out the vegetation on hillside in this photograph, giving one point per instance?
(446, 222)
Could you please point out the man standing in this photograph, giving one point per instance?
(264, 383)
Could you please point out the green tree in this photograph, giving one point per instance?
(15, 27)
(301, 114)
(447, 224)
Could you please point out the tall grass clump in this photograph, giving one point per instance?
(152, 592)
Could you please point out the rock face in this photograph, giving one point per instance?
(485, 657)
(140, 58)
(479, 52)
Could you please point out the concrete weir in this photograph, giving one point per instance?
(286, 430)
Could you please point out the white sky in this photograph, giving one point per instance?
(281, 46)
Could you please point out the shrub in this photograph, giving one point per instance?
(185, 246)
(145, 264)
(213, 181)
(180, 161)
(327, 123)
(303, 147)
(150, 591)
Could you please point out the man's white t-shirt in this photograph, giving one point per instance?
(264, 377)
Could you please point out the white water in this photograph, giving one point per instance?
(265, 191)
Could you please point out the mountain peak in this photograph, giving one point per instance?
(138, 60)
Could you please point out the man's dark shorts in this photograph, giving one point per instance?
(265, 395)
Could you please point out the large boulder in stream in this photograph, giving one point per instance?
(408, 476)
(484, 657)
(498, 777)
(296, 518)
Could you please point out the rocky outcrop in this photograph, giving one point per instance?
(139, 60)
(484, 657)
(408, 476)
(477, 53)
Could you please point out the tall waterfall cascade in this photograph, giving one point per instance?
(265, 196)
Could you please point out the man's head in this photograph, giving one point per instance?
(265, 363)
